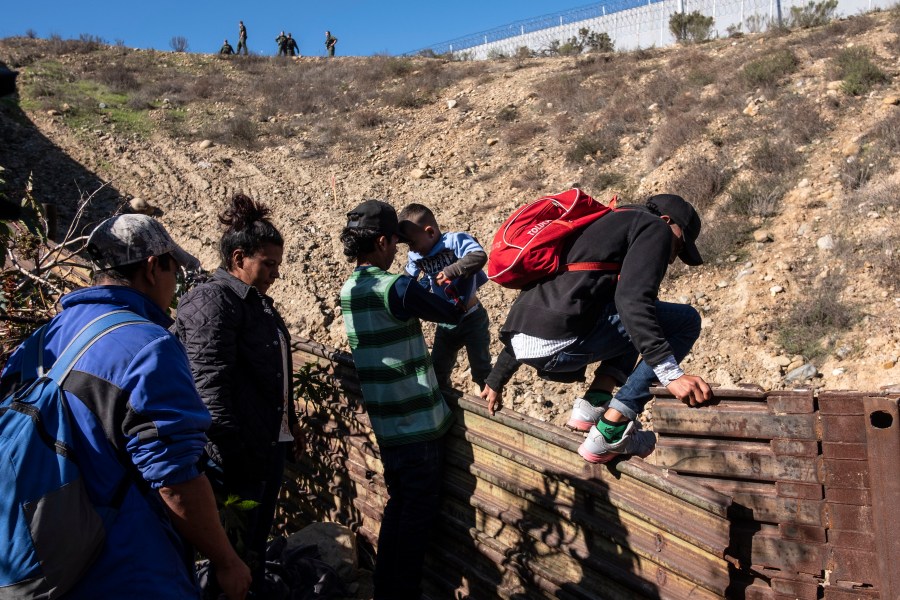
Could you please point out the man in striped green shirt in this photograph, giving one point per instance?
(409, 416)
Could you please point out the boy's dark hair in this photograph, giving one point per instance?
(123, 274)
(417, 213)
(247, 228)
(358, 241)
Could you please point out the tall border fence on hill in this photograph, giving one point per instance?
(630, 24)
(781, 495)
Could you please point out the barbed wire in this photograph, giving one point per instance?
(629, 24)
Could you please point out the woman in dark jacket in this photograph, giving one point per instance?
(240, 356)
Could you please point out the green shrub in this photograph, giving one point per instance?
(814, 14)
(594, 41)
(858, 72)
(766, 71)
(690, 27)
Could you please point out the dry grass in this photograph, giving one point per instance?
(775, 156)
(756, 196)
(531, 178)
(723, 237)
(603, 144)
(811, 327)
(701, 182)
(566, 93)
(367, 118)
(525, 132)
(676, 129)
(800, 119)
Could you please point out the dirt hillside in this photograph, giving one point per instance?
(793, 168)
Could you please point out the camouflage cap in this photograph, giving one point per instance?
(126, 239)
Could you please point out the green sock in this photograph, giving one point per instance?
(597, 397)
(611, 432)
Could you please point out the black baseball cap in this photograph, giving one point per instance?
(685, 216)
(373, 214)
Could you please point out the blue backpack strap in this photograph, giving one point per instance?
(89, 334)
(33, 356)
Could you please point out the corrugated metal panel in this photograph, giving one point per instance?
(774, 498)
(528, 516)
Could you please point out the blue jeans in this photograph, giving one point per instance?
(611, 345)
(472, 332)
(413, 475)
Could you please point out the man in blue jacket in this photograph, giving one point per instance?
(138, 417)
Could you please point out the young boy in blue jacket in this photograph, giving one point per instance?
(450, 265)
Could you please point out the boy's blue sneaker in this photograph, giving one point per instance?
(584, 415)
(596, 449)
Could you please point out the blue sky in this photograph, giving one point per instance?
(363, 27)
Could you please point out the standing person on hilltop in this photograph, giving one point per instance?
(281, 40)
(138, 426)
(291, 45)
(561, 324)
(450, 265)
(239, 349)
(226, 49)
(406, 409)
(330, 43)
(242, 38)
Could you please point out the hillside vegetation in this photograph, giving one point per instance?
(787, 142)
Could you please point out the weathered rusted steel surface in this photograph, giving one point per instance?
(882, 418)
(802, 471)
(524, 516)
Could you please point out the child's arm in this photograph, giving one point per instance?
(468, 264)
(471, 257)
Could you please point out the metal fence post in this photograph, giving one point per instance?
(882, 420)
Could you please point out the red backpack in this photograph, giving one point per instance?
(527, 246)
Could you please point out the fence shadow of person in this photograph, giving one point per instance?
(515, 525)
(57, 181)
(320, 485)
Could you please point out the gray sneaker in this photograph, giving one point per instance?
(596, 449)
(584, 416)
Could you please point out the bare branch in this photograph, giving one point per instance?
(36, 278)
(76, 220)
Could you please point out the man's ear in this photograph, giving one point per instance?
(429, 229)
(149, 271)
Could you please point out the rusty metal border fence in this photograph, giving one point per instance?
(813, 479)
(523, 515)
(761, 496)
